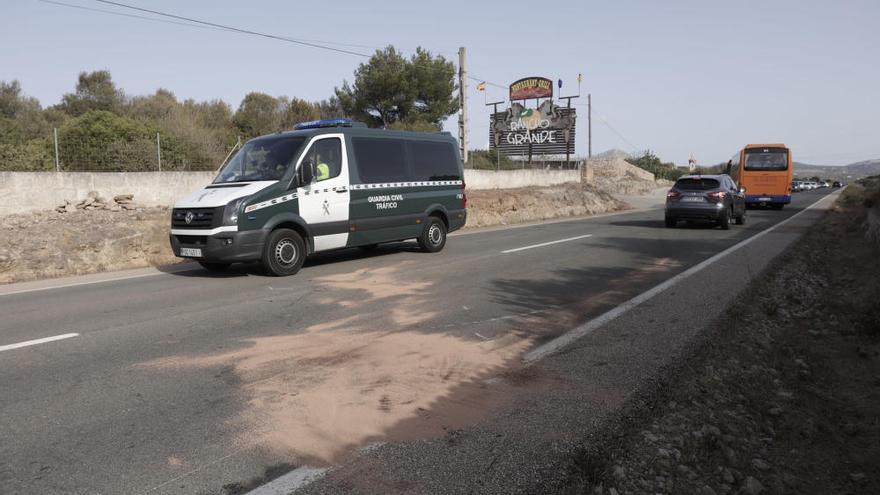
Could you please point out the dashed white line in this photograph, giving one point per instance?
(533, 246)
(44, 340)
(290, 482)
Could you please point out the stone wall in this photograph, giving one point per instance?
(30, 191)
(511, 179)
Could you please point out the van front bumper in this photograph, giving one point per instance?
(222, 247)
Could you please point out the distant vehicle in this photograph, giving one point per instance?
(797, 186)
(714, 198)
(837, 183)
(328, 184)
(765, 171)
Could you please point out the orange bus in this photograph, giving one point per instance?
(765, 171)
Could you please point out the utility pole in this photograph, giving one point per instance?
(462, 98)
(568, 129)
(589, 126)
(57, 163)
(159, 151)
(495, 134)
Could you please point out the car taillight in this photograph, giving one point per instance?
(715, 196)
(672, 194)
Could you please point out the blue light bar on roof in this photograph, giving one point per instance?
(317, 124)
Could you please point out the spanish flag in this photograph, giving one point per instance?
(481, 86)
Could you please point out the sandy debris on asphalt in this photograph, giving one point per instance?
(344, 383)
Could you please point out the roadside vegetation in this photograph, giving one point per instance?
(661, 170)
(784, 397)
(102, 128)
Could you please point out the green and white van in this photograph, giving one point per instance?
(326, 185)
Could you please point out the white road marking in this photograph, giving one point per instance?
(577, 333)
(290, 482)
(533, 246)
(95, 278)
(28, 343)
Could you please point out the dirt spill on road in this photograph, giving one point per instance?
(344, 383)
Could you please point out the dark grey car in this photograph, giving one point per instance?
(713, 198)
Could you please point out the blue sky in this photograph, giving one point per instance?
(677, 77)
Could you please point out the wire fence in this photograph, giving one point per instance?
(138, 154)
(169, 153)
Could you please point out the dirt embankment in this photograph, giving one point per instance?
(785, 398)
(76, 241)
(52, 244)
(511, 206)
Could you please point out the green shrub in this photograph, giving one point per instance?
(651, 162)
(31, 156)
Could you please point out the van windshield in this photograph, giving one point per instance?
(261, 159)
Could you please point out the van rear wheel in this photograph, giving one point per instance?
(433, 237)
(284, 253)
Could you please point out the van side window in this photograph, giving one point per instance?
(380, 160)
(326, 156)
(433, 160)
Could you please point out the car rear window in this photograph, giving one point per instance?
(700, 184)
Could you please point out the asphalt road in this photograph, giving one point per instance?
(95, 413)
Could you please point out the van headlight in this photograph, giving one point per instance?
(230, 214)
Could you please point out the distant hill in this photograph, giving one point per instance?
(613, 154)
(847, 172)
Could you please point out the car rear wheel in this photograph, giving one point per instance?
(741, 219)
(724, 221)
(671, 222)
(284, 253)
(433, 237)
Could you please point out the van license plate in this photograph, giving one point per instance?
(195, 253)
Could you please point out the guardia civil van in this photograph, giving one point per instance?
(328, 184)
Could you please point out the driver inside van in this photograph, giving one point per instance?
(323, 169)
(328, 164)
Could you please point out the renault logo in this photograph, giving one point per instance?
(189, 217)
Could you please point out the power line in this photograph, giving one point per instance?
(490, 83)
(238, 30)
(191, 22)
(123, 14)
(615, 131)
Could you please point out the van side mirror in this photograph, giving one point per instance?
(306, 173)
(729, 166)
(742, 190)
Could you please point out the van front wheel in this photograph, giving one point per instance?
(284, 253)
(433, 237)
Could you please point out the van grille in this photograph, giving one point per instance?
(202, 218)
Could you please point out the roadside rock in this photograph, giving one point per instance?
(752, 486)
